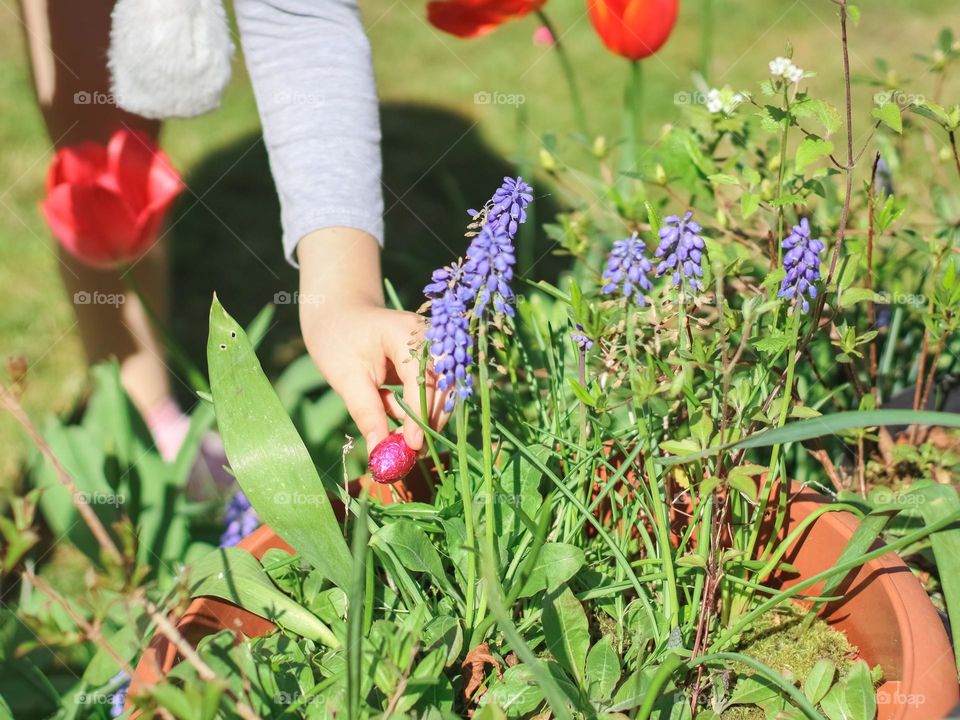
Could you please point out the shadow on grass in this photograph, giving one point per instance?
(436, 165)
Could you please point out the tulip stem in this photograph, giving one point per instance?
(174, 349)
(569, 75)
(632, 112)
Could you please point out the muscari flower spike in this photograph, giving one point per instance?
(801, 261)
(451, 345)
(240, 520)
(682, 249)
(464, 290)
(118, 698)
(627, 270)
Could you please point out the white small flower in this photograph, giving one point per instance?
(779, 66)
(723, 100)
(782, 67)
(714, 103)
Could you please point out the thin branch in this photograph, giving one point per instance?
(12, 404)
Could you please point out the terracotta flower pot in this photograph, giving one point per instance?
(885, 613)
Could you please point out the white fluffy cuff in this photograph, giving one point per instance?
(169, 58)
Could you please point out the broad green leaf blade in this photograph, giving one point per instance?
(936, 502)
(859, 695)
(819, 680)
(556, 563)
(266, 454)
(412, 547)
(824, 425)
(603, 670)
(237, 576)
(567, 632)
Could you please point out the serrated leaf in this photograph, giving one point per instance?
(889, 115)
(811, 150)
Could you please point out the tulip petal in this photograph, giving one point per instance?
(142, 173)
(93, 223)
(473, 18)
(83, 163)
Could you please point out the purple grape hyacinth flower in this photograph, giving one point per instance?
(488, 271)
(451, 345)
(508, 206)
(682, 249)
(801, 261)
(627, 270)
(119, 696)
(581, 338)
(240, 520)
(464, 290)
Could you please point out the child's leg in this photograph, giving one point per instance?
(68, 43)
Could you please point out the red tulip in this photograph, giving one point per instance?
(105, 204)
(473, 18)
(634, 29)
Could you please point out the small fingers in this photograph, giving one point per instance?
(365, 406)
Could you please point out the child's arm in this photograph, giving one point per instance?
(309, 61)
(358, 344)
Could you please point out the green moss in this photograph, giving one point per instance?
(779, 640)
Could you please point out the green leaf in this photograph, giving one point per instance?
(267, 456)
(811, 150)
(749, 202)
(859, 695)
(752, 690)
(237, 576)
(518, 693)
(819, 680)
(889, 115)
(935, 502)
(556, 563)
(603, 670)
(413, 549)
(721, 179)
(857, 295)
(567, 632)
(824, 425)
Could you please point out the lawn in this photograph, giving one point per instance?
(444, 145)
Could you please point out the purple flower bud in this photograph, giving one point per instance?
(682, 250)
(627, 270)
(240, 520)
(508, 206)
(801, 262)
(580, 337)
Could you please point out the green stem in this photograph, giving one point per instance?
(706, 39)
(782, 170)
(657, 683)
(487, 440)
(425, 414)
(466, 497)
(632, 116)
(176, 352)
(569, 75)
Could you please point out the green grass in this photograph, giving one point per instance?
(443, 152)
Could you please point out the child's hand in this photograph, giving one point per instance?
(358, 345)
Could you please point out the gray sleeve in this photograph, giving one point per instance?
(309, 61)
